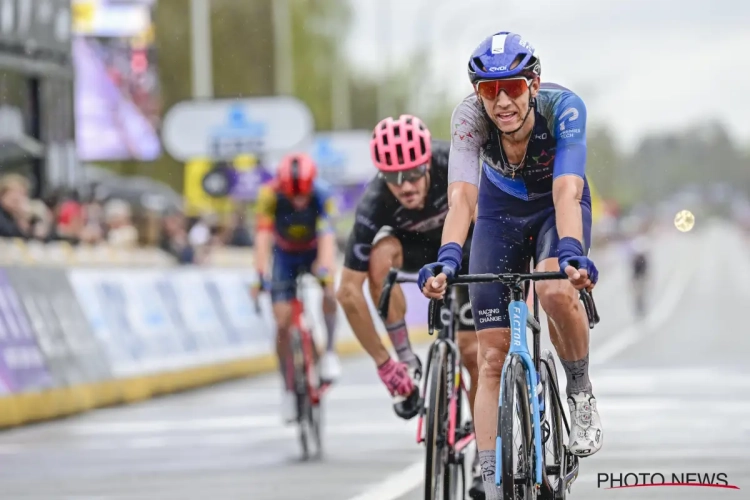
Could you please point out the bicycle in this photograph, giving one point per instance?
(309, 387)
(524, 383)
(446, 441)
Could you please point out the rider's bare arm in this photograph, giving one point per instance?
(567, 192)
(265, 211)
(327, 251)
(470, 132)
(263, 244)
(352, 299)
(327, 237)
(462, 203)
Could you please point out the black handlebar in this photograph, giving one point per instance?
(385, 297)
(509, 279)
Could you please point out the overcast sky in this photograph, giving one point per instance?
(640, 65)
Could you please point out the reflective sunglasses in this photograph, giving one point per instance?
(411, 175)
(514, 87)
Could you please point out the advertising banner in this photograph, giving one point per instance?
(83, 346)
(100, 303)
(39, 297)
(22, 364)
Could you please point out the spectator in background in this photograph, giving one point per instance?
(174, 238)
(94, 227)
(14, 205)
(69, 221)
(41, 225)
(239, 233)
(200, 234)
(120, 230)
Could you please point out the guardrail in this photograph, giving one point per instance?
(78, 333)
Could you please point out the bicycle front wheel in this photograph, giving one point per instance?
(304, 402)
(516, 434)
(552, 427)
(439, 479)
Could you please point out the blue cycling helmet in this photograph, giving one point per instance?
(493, 58)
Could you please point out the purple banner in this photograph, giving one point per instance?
(22, 366)
(245, 184)
(347, 196)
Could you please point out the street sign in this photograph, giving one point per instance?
(221, 129)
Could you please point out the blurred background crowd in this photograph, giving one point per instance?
(95, 149)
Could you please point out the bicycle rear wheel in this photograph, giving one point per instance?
(552, 427)
(516, 434)
(440, 476)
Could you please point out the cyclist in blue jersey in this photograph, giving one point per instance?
(518, 154)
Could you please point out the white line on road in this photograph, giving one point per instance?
(396, 485)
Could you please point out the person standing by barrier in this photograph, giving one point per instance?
(294, 229)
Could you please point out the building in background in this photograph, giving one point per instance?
(36, 92)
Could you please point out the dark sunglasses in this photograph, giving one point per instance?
(411, 175)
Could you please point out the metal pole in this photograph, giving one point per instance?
(340, 94)
(200, 21)
(384, 91)
(283, 49)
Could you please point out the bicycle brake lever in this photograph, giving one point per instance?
(385, 295)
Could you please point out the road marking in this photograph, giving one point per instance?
(202, 425)
(396, 485)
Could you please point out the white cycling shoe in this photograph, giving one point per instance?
(330, 367)
(586, 435)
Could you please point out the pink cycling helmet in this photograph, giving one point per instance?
(400, 144)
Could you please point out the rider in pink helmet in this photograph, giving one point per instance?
(399, 223)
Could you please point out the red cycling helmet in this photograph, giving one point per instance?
(401, 144)
(296, 174)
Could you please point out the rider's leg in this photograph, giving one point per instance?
(330, 367)
(400, 378)
(468, 346)
(329, 314)
(502, 249)
(283, 290)
(569, 333)
(387, 253)
(282, 312)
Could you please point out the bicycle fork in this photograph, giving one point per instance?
(518, 312)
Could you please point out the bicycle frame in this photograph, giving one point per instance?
(519, 318)
(308, 345)
(518, 312)
(446, 335)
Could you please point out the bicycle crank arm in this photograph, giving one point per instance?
(573, 468)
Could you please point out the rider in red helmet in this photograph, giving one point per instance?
(294, 226)
(398, 224)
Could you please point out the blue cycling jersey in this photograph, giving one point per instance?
(516, 218)
(557, 146)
